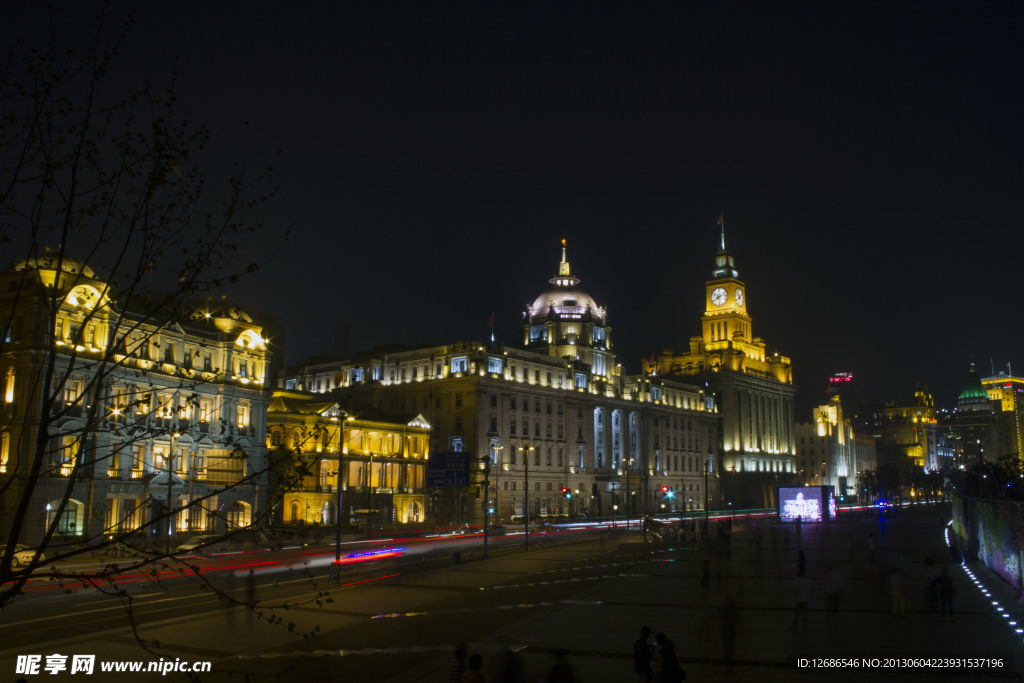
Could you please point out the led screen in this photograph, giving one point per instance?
(809, 503)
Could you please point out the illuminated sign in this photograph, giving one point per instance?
(841, 377)
(809, 503)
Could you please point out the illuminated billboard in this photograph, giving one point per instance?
(809, 503)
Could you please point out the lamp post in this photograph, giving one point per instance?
(628, 497)
(526, 500)
(707, 467)
(336, 567)
(486, 460)
(170, 481)
(191, 488)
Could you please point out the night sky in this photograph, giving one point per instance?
(867, 158)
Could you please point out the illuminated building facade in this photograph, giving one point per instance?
(827, 450)
(753, 388)
(913, 427)
(142, 411)
(554, 412)
(383, 460)
(976, 424)
(1008, 393)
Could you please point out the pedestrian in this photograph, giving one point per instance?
(507, 668)
(871, 547)
(803, 596)
(833, 586)
(730, 628)
(642, 656)
(250, 589)
(931, 585)
(457, 665)
(227, 596)
(898, 593)
(472, 674)
(250, 596)
(562, 671)
(799, 523)
(666, 665)
(947, 591)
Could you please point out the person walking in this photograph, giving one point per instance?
(947, 591)
(472, 674)
(457, 665)
(250, 596)
(730, 628)
(803, 597)
(898, 592)
(642, 656)
(562, 671)
(666, 664)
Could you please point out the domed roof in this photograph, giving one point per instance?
(51, 262)
(564, 298)
(973, 391)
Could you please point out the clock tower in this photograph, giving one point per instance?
(725, 308)
(753, 389)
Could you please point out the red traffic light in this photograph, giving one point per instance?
(664, 489)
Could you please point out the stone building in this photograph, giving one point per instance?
(382, 458)
(826, 452)
(555, 412)
(114, 412)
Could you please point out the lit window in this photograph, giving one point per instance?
(9, 386)
(493, 364)
(460, 364)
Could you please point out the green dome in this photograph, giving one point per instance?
(973, 391)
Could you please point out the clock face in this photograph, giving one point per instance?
(739, 297)
(718, 296)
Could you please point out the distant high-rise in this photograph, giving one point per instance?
(975, 424)
(1008, 393)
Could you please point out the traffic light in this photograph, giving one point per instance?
(664, 489)
(565, 492)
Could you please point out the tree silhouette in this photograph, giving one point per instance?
(98, 364)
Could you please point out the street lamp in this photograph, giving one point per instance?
(170, 481)
(526, 504)
(486, 460)
(629, 500)
(191, 488)
(336, 567)
(707, 467)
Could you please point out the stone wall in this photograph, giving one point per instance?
(993, 531)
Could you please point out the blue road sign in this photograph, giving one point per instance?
(448, 469)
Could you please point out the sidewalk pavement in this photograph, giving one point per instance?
(591, 601)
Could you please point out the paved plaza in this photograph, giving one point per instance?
(591, 599)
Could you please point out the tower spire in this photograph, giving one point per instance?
(721, 222)
(564, 277)
(563, 267)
